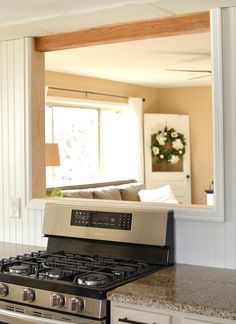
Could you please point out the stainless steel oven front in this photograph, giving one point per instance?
(11, 313)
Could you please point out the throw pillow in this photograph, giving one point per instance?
(162, 195)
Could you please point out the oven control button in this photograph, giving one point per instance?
(28, 295)
(76, 305)
(57, 300)
(3, 290)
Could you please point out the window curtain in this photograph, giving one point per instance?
(132, 134)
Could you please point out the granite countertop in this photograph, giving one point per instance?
(192, 289)
(13, 249)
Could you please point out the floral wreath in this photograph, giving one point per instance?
(168, 146)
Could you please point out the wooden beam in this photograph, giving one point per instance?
(162, 27)
(38, 122)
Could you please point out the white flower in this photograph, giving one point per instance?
(177, 144)
(161, 156)
(165, 133)
(174, 159)
(174, 134)
(180, 152)
(161, 139)
(155, 150)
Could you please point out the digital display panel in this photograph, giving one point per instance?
(100, 219)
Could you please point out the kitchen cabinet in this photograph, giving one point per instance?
(206, 320)
(126, 314)
(138, 314)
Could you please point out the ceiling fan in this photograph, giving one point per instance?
(207, 73)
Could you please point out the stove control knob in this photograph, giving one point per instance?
(76, 305)
(3, 290)
(57, 300)
(28, 295)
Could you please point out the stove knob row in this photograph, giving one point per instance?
(28, 295)
(3, 290)
(57, 300)
(75, 305)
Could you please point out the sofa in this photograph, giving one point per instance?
(130, 190)
(120, 190)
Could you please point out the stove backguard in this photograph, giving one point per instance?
(118, 233)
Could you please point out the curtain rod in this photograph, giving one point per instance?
(91, 92)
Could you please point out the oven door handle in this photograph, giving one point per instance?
(126, 320)
(18, 318)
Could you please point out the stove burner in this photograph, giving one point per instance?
(121, 270)
(56, 273)
(20, 269)
(93, 279)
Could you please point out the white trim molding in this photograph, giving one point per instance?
(217, 112)
(190, 213)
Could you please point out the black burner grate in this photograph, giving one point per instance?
(81, 270)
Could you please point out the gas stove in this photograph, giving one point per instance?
(89, 252)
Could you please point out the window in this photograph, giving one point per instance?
(90, 145)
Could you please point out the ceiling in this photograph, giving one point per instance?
(42, 17)
(143, 62)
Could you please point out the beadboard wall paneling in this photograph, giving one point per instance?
(15, 62)
(202, 243)
(12, 161)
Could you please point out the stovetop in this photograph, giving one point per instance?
(71, 273)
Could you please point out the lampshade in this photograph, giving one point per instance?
(52, 154)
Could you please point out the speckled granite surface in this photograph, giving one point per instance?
(12, 249)
(192, 289)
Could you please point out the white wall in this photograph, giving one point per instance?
(15, 59)
(203, 243)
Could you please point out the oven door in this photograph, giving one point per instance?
(20, 314)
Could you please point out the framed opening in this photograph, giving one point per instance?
(195, 212)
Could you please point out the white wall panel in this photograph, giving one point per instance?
(203, 243)
(15, 64)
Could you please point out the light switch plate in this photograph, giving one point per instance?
(14, 207)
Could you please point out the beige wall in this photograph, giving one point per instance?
(72, 81)
(193, 101)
